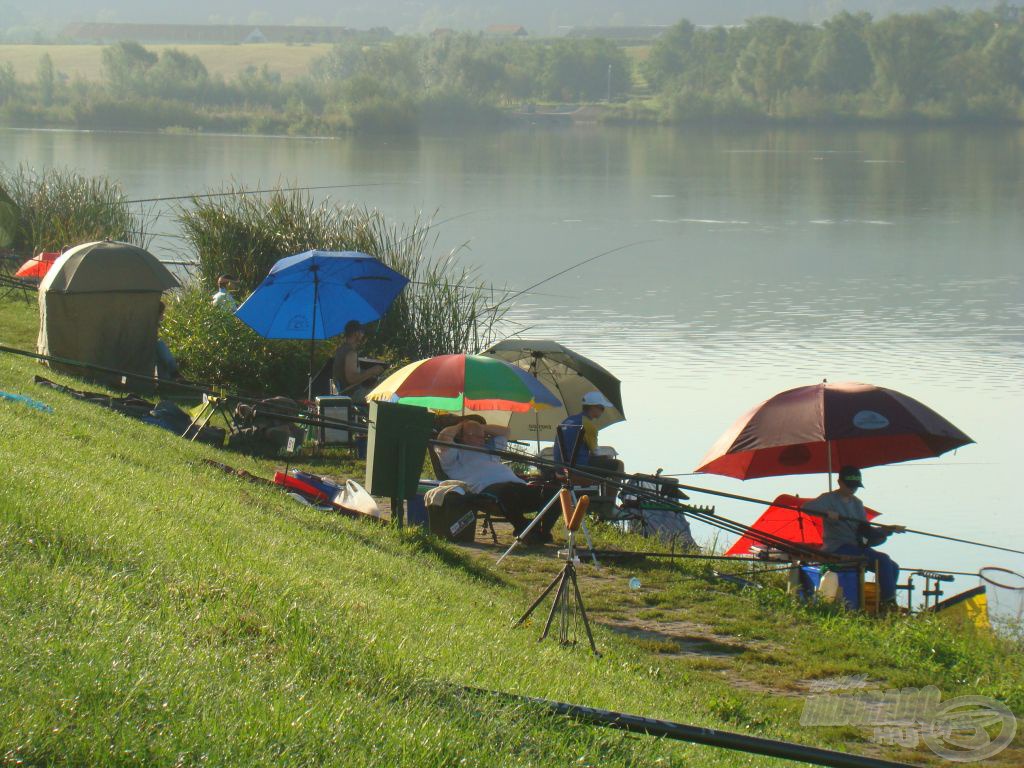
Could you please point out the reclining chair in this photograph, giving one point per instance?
(485, 504)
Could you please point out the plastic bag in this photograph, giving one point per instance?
(355, 498)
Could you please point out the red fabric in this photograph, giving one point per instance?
(441, 376)
(297, 485)
(38, 266)
(789, 524)
(862, 425)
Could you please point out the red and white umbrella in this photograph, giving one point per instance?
(823, 427)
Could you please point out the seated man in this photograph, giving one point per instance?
(845, 530)
(582, 427)
(223, 298)
(166, 365)
(349, 377)
(484, 473)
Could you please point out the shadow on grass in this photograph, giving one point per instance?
(417, 543)
(372, 535)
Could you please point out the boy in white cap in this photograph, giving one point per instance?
(582, 428)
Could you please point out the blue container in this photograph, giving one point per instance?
(416, 509)
(810, 578)
(849, 585)
(848, 578)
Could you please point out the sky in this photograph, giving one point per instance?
(539, 17)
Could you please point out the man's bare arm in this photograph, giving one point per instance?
(450, 434)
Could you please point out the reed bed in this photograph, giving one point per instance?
(53, 208)
(446, 308)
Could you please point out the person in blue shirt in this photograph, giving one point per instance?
(582, 428)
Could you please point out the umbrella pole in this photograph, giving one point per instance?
(828, 452)
(536, 414)
(312, 335)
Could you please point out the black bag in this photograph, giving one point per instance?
(870, 535)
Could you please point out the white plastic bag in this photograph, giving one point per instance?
(355, 498)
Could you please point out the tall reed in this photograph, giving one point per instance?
(445, 308)
(57, 207)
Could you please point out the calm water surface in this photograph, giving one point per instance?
(756, 263)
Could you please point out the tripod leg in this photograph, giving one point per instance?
(538, 601)
(195, 420)
(559, 595)
(526, 531)
(583, 613)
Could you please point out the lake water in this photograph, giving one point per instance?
(755, 262)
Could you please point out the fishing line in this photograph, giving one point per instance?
(209, 195)
(750, 499)
(713, 519)
(963, 541)
(580, 264)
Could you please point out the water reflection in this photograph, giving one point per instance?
(761, 261)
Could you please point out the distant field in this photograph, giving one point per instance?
(291, 61)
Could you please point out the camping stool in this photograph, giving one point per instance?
(870, 592)
(212, 405)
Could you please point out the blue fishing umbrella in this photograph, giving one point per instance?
(313, 295)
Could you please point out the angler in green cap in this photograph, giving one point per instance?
(846, 531)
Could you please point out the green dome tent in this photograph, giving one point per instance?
(99, 304)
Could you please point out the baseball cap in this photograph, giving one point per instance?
(596, 398)
(851, 476)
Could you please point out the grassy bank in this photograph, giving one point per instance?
(156, 611)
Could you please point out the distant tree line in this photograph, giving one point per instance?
(943, 65)
(396, 85)
(940, 66)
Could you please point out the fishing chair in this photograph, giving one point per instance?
(483, 504)
(15, 286)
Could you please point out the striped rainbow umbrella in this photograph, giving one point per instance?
(465, 382)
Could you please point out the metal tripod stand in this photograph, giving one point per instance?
(565, 603)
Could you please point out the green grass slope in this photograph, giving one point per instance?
(156, 611)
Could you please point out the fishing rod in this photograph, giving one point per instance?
(717, 521)
(698, 735)
(125, 376)
(712, 519)
(579, 264)
(607, 475)
(962, 541)
(754, 500)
